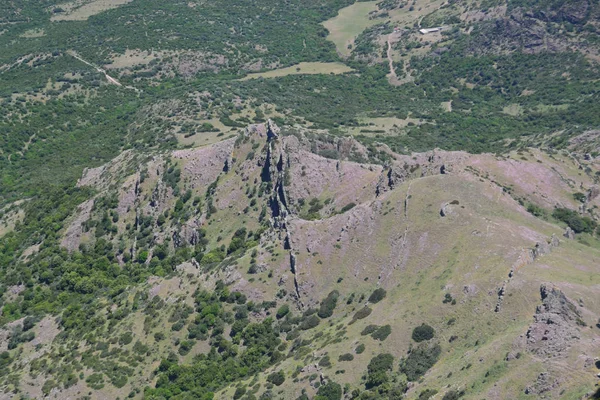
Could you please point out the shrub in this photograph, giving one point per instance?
(282, 311)
(422, 333)
(574, 220)
(325, 362)
(382, 333)
(580, 197)
(310, 323)
(453, 395)
(328, 305)
(28, 323)
(346, 357)
(362, 313)
(381, 362)
(276, 378)
(348, 207)
(360, 348)
(125, 338)
(377, 370)
(185, 347)
(427, 394)
(329, 391)
(239, 392)
(536, 210)
(95, 381)
(369, 329)
(419, 360)
(377, 295)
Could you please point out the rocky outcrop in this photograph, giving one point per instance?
(74, 232)
(273, 172)
(555, 324)
(404, 168)
(544, 383)
(569, 233)
(528, 256)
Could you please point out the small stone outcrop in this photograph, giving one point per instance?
(569, 233)
(555, 324)
(527, 257)
(544, 383)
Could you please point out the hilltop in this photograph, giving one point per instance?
(340, 258)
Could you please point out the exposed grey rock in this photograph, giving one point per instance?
(544, 383)
(569, 233)
(554, 328)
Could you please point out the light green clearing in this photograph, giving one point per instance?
(304, 68)
(513, 109)
(349, 23)
(33, 33)
(390, 125)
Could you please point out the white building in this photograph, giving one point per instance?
(430, 30)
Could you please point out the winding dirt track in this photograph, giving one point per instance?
(108, 77)
(393, 76)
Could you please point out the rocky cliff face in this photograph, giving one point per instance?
(555, 328)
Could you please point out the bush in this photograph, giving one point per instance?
(276, 378)
(125, 338)
(282, 311)
(185, 347)
(325, 362)
(369, 329)
(28, 323)
(377, 296)
(239, 392)
(574, 220)
(310, 323)
(328, 305)
(348, 207)
(453, 395)
(377, 370)
(382, 333)
(422, 333)
(427, 394)
(360, 348)
(346, 357)
(362, 313)
(419, 360)
(381, 362)
(329, 391)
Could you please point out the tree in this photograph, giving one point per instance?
(422, 333)
(377, 295)
(276, 378)
(328, 305)
(329, 391)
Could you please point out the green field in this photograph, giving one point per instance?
(348, 24)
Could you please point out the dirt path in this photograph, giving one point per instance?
(393, 76)
(109, 78)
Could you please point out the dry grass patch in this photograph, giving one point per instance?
(80, 10)
(33, 33)
(304, 68)
(132, 58)
(382, 126)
